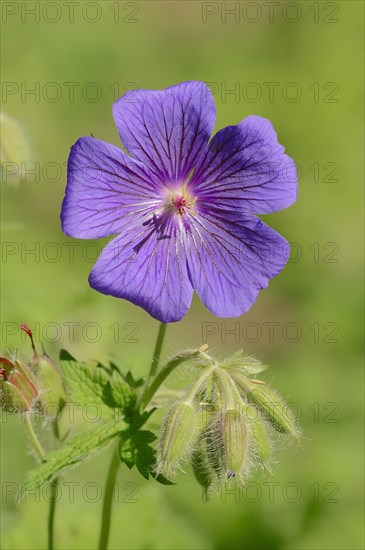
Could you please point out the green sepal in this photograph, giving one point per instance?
(11, 400)
(51, 389)
(244, 363)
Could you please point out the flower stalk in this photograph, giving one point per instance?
(34, 438)
(108, 501)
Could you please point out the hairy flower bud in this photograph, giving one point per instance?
(178, 434)
(203, 471)
(11, 400)
(235, 441)
(273, 407)
(52, 394)
(225, 424)
(260, 442)
(18, 390)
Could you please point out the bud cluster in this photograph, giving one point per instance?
(35, 386)
(224, 424)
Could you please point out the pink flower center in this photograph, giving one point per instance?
(180, 202)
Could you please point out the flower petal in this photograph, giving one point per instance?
(147, 266)
(246, 169)
(104, 189)
(231, 260)
(167, 129)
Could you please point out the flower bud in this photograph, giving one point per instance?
(178, 434)
(228, 444)
(203, 471)
(11, 400)
(51, 395)
(17, 388)
(273, 407)
(51, 391)
(206, 413)
(260, 442)
(235, 441)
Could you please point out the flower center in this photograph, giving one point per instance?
(180, 202)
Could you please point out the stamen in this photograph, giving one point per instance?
(182, 201)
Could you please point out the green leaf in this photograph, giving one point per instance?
(135, 450)
(121, 393)
(161, 479)
(93, 383)
(66, 356)
(133, 382)
(77, 449)
(86, 384)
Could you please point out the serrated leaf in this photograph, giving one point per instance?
(77, 449)
(121, 392)
(66, 356)
(86, 384)
(135, 450)
(133, 382)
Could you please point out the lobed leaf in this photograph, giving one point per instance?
(74, 451)
(90, 383)
(86, 384)
(135, 450)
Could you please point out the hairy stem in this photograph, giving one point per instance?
(150, 391)
(108, 501)
(33, 438)
(52, 501)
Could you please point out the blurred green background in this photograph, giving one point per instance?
(311, 53)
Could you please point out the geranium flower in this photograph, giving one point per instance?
(183, 205)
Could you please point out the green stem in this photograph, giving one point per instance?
(108, 501)
(150, 391)
(157, 351)
(51, 513)
(155, 358)
(53, 498)
(202, 378)
(52, 502)
(33, 437)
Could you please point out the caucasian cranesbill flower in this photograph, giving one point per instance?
(183, 205)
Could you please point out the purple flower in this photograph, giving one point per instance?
(183, 205)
